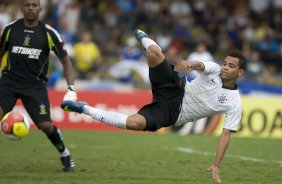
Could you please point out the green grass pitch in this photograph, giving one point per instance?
(139, 158)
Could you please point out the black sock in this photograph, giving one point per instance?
(57, 139)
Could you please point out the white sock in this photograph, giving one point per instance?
(110, 118)
(65, 153)
(146, 42)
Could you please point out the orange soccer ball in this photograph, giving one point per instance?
(15, 125)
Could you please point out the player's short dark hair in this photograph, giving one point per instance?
(242, 59)
(23, 1)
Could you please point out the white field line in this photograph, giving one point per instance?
(252, 159)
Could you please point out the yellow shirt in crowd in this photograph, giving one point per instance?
(85, 55)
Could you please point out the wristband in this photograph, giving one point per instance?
(71, 87)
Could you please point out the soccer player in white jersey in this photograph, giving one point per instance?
(176, 101)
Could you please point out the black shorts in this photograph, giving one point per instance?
(34, 98)
(168, 92)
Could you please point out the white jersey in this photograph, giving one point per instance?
(205, 96)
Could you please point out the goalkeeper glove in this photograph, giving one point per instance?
(71, 94)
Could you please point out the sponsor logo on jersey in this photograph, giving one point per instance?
(31, 52)
(28, 31)
(222, 98)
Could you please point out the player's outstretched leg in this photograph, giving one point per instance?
(153, 51)
(69, 105)
(111, 118)
(140, 34)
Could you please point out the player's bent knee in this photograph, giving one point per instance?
(46, 127)
(154, 52)
(135, 122)
(135, 126)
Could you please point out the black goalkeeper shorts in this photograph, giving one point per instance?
(168, 93)
(34, 98)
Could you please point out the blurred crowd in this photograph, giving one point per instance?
(99, 35)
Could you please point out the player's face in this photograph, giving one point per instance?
(230, 70)
(31, 9)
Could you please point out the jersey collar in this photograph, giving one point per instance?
(234, 88)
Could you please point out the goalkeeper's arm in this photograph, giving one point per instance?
(68, 73)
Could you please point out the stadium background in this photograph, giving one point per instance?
(253, 27)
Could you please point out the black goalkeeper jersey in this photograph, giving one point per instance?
(28, 50)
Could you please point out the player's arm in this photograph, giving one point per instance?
(68, 74)
(57, 45)
(231, 121)
(4, 43)
(221, 148)
(187, 66)
(68, 70)
(60, 51)
(1, 56)
(1, 51)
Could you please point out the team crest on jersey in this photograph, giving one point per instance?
(26, 41)
(222, 98)
(42, 109)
